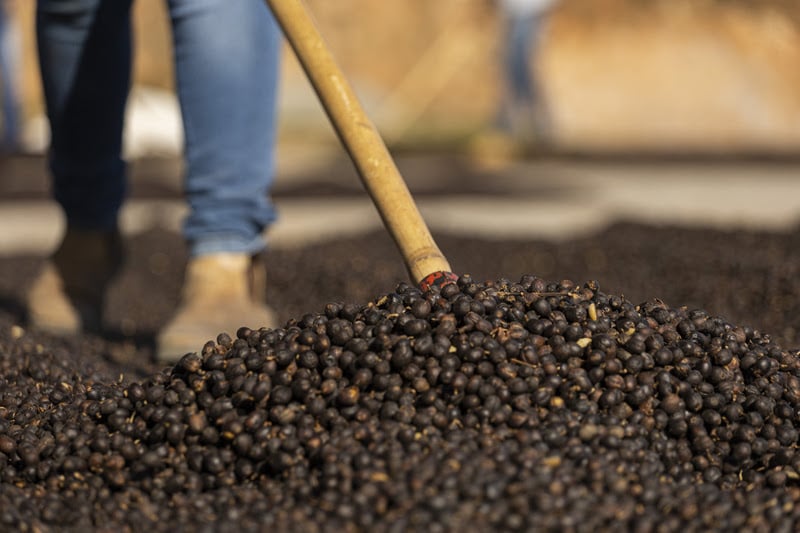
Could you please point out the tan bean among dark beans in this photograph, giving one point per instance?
(478, 406)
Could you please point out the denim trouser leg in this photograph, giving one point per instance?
(226, 62)
(522, 38)
(85, 56)
(9, 68)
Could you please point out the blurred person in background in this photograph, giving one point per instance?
(523, 110)
(226, 57)
(9, 75)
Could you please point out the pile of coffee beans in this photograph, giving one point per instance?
(528, 405)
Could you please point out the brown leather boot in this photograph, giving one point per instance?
(221, 293)
(67, 296)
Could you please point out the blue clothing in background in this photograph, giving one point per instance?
(523, 111)
(9, 53)
(523, 33)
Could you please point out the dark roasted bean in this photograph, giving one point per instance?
(476, 406)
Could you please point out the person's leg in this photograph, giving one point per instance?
(525, 109)
(84, 54)
(518, 59)
(9, 51)
(541, 120)
(226, 62)
(85, 59)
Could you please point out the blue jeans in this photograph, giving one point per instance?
(522, 38)
(226, 64)
(9, 67)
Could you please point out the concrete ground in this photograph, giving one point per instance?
(319, 196)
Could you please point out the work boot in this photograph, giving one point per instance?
(67, 296)
(221, 293)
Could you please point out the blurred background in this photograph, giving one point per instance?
(620, 76)
(652, 145)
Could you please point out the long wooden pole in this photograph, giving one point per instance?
(362, 141)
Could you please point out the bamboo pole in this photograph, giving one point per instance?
(361, 139)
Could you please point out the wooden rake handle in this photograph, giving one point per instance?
(362, 141)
